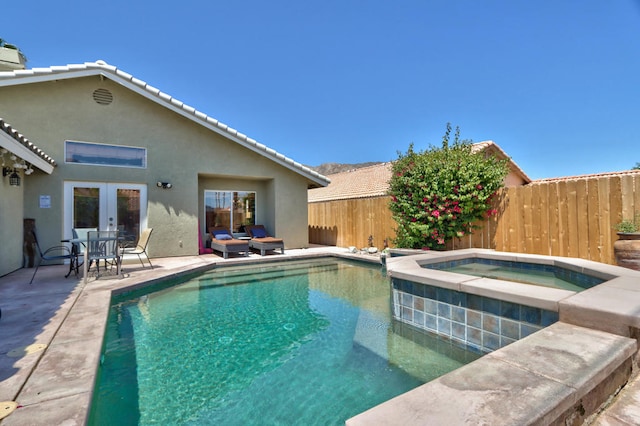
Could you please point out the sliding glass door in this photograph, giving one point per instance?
(231, 209)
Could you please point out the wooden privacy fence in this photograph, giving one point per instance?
(345, 223)
(570, 217)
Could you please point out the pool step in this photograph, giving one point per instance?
(223, 276)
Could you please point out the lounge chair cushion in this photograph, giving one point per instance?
(259, 232)
(222, 236)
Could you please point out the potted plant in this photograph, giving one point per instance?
(11, 57)
(627, 248)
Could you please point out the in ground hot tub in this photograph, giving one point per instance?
(524, 272)
(486, 299)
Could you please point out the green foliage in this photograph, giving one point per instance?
(438, 194)
(636, 167)
(629, 226)
(7, 45)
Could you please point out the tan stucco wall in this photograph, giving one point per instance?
(189, 156)
(11, 229)
(514, 178)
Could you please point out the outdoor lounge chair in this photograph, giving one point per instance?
(261, 240)
(222, 240)
(60, 252)
(141, 246)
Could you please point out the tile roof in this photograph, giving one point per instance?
(37, 158)
(587, 176)
(109, 71)
(373, 181)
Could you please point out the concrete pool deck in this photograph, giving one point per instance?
(52, 384)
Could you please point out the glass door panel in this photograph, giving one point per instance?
(86, 207)
(231, 209)
(128, 213)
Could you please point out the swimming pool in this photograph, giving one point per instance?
(302, 342)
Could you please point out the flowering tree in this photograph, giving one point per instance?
(438, 194)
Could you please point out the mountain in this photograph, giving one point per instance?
(331, 168)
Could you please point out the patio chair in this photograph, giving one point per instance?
(60, 252)
(77, 248)
(222, 240)
(102, 245)
(261, 240)
(141, 246)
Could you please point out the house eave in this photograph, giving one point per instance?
(20, 146)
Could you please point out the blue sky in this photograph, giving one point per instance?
(555, 83)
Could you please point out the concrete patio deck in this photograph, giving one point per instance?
(61, 322)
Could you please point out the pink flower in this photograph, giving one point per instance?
(492, 212)
(435, 213)
(441, 241)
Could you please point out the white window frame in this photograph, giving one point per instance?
(105, 152)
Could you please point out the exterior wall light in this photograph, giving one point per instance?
(164, 185)
(14, 177)
(12, 170)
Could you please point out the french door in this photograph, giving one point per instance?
(105, 206)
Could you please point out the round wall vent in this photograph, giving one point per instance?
(103, 96)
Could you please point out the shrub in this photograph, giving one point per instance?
(438, 194)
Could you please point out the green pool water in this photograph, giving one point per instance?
(288, 343)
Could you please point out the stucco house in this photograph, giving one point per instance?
(126, 155)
